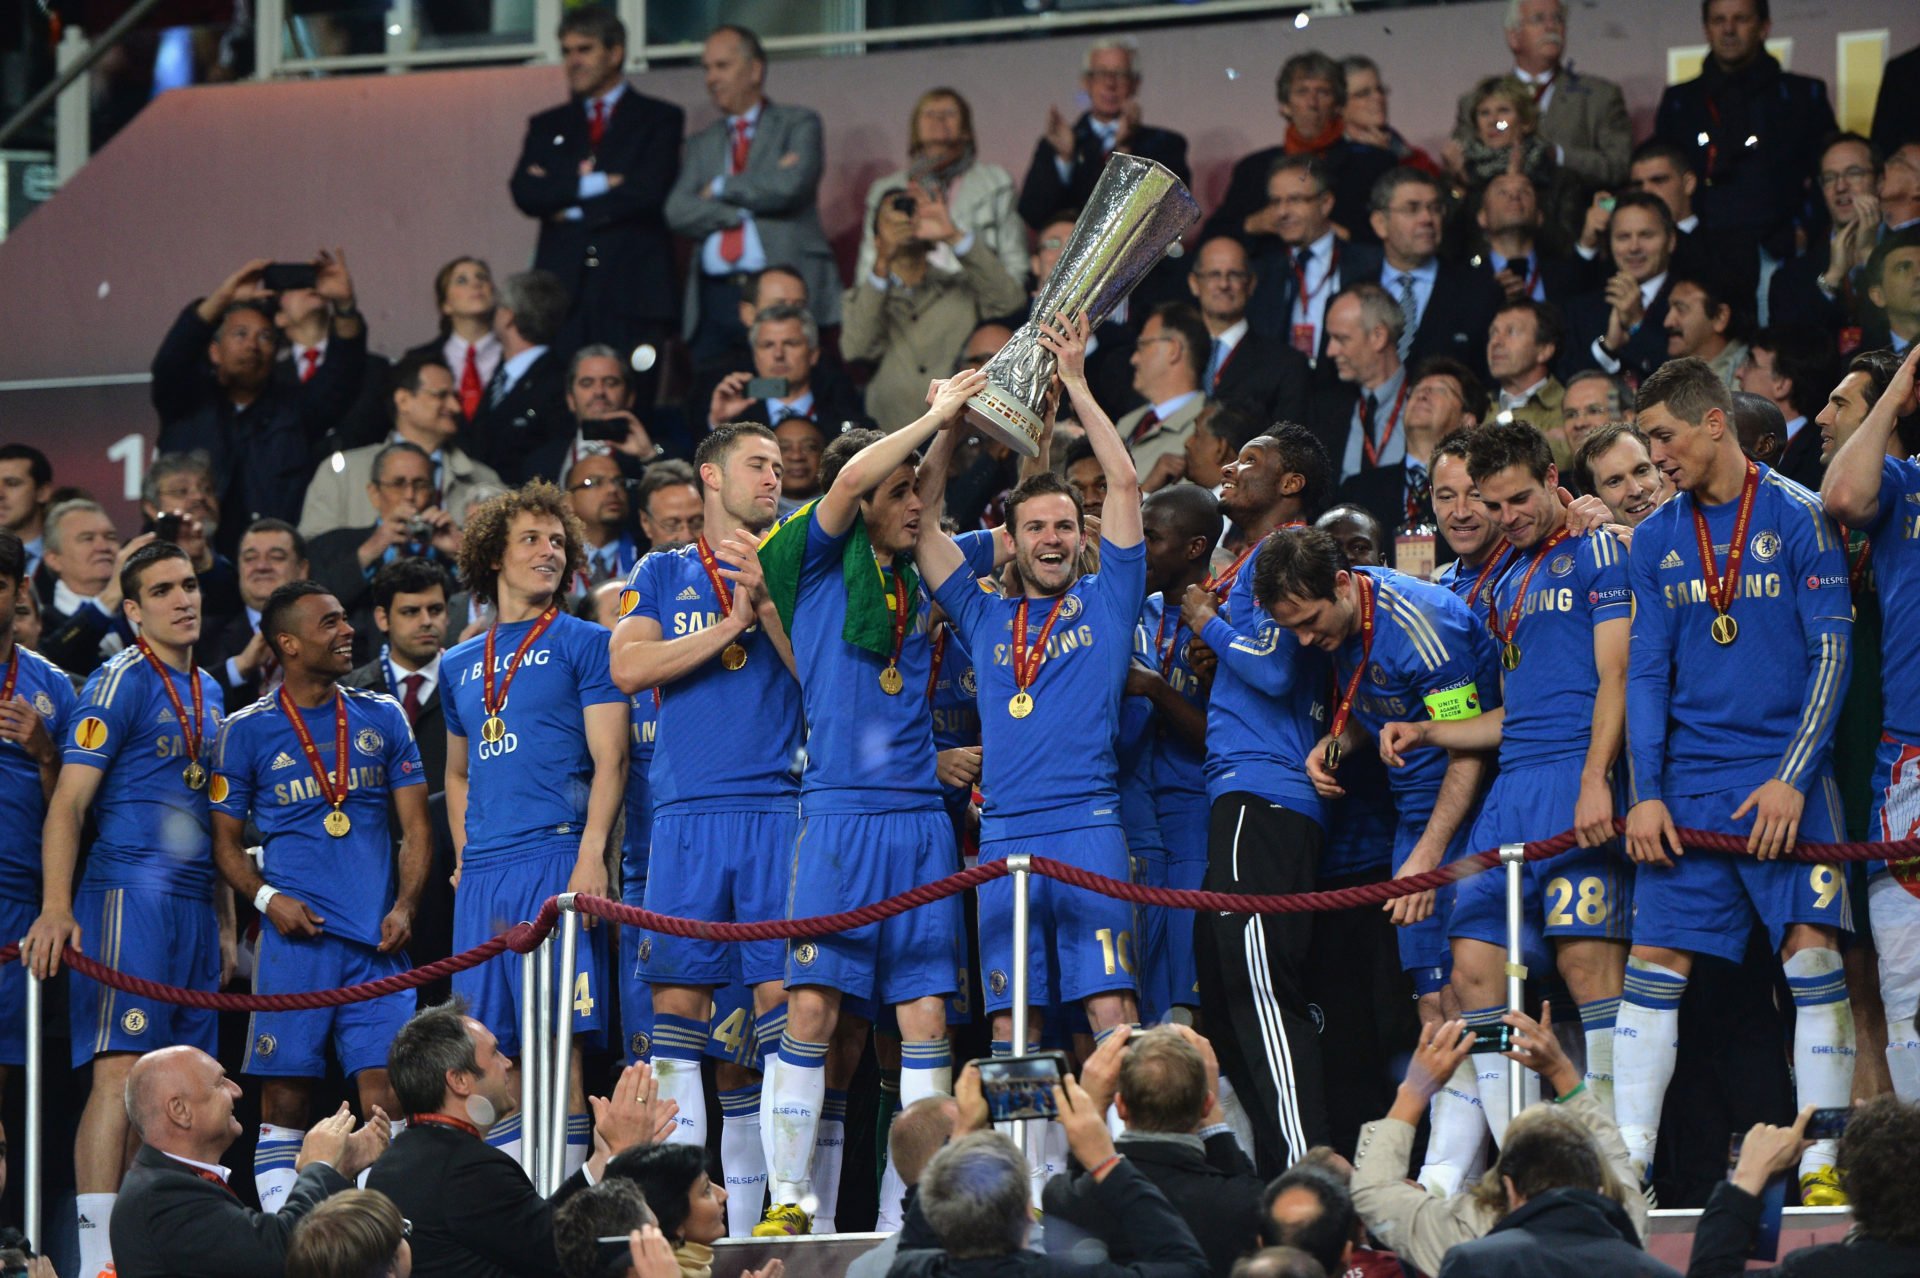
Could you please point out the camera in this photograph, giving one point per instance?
(167, 527)
(901, 202)
(1018, 1087)
(419, 529)
(285, 277)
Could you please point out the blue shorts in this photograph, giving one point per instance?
(636, 996)
(1582, 894)
(16, 917)
(1079, 943)
(493, 895)
(294, 1044)
(1183, 827)
(172, 939)
(729, 1029)
(730, 1035)
(1709, 901)
(719, 867)
(844, 860)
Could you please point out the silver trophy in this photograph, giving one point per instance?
(1137, 210)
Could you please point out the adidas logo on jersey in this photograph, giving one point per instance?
(1672, 560)
(282, 760)
(166, 716)
(688, 593)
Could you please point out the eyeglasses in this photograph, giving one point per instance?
(1855, 173)
(407, 485)
(1223, 277)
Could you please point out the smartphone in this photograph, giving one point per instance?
(606, 428)
(767, 388)
(1019, 1087)
(1829, 1124)
(1492, 1038)
(902, 202)
(1607, 202)
(167, 527)
(283, 277)
(614, 1256)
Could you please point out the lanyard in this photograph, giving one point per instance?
(1345, 708)
(487, 702)
(1505, 631)
(1723, 589)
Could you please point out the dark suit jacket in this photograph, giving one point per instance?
(474, 1213)
(617, 258)
(262, 457)
(170, 1223)
(1560, 277)
(333, 560)
(1216, 1193)
(1043, 193)
(1896, 112)
(1351, 167)
(1268, 375)
(527, 432)
(835, 402)
(1459, 311)
(1330, 413)
(1276, 292)
(1382, 492)
(1586, 318)
(72, 641)
(212, 652)
(1801, 460)
(369, 414)
(1794, 296)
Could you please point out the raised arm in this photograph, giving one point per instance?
(1851, 489)
(872, 464)
(1120, 517)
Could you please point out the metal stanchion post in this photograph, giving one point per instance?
(536, 1124)
(1021, 867)
(562, 1078)
(1514, 857)
(529, 1064)
(36, 1154)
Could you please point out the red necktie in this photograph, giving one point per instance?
(733, 240)
(309, 360)
(1141, 427)
(597, 123)
(470, 385)
(410, 698)
(1541, 85)
(211, 1179)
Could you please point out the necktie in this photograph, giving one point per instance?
(497, 384)
(1541, 85)
(211, 1179)
(733, 240)
(1410, 308)
(597, 123)
(309, 360)
(410, 695)
(1144, 425)
(470, 384)
(1367, 410)
(1215, 362)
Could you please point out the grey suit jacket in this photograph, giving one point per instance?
(1169, 436)
(1587, 119)
(780, 188)
(337, 495)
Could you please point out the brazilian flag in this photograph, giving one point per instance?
(870, 601)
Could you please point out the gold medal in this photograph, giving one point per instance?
(1510, 656)
(196, 776)
(493, 729)
(733, 656)
(1725, 629)
(337, 823)
(1332, 754)
(891, 681)
(1021, 706)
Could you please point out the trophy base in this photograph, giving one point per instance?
(997, 414)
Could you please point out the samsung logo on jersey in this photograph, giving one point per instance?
(1551, 599)
(305, 788)
(643, 732)
(689, 623)
(1765, 585)
(1387, 707)
(501, 661)
(1059, 644)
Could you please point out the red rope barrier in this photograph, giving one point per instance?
(524, 937)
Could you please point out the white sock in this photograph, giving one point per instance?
(505, 1136)
(829, 1152)
(579, 1143)
(679, 1080)
(1597, 1020)
(1646, 1043)
(1903, 1059)
(801, 1087)
(1823, 1048)
(743, 1161)
(1490, 1074)
(892, 1191)
(273, 1159)
(1459, 1130)
(926, 1069)
(96, 1251)
(1235, 1115)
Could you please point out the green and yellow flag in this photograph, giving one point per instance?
(870, 602)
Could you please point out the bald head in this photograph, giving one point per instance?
(917, 1134)
(180, 1101)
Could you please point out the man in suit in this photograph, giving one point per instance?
(272, 553)
(1592, 399)
(1164, 1084)
(1313, 92)
(81, 621)
(214, 390)
(1447, 305)
(1583, 116)
(1169, 367)
(1750, 131)
(1820, 285)
(596, 491)
(305, 321)
(1307, 265)
(1243, 366)
(1896, 112)
(1514, 259)
(1621, 328)
(785, 343)
(1358, 420)
(1446, 397)
(595, 173)
(1068, 158)
(177, 1216)
(524, 422)
(1706, 321)
(747, 196)
(426, 412)
(1521, 345)
(1699, 246)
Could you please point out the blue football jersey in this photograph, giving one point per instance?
(1179, 768)
(1895, 548)
(1471, 585)
(532, 784)
(154, 831)
(23, 804)
(642, 721)
(260, 770)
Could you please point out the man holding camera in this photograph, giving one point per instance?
(786, 351)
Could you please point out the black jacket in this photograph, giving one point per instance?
(1276, 292)
(169, 1222)
(1564, 1233)
(1215, 1192)
(616, 260)
(1896, 113)
(1043, 194)
(474, 1212)
(1586, 319)
(1138, 1217)
(1732, 1218)
(1351, 170)
(526, 432)
(1267, 375)
(1459, 311)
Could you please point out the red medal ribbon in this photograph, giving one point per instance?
(212, 1178)
(487, 703)
(442, 1120)
(191, 733)
(1222, 585)
(1345, 708)
(1856, 581)
(939, 655)
(721, 590)
(1504, 631)
(899, 615)
(328, 791)
(1373, 450)
(1025, 671)
(1165, 652)
(13, 674)
(1300, 281)
(1721, 590)
(1486, 570)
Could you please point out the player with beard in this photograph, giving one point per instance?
(314, 767)
(137, 758)
(1049, 694)
(697, 624)
(872, 820)
(1265, 711)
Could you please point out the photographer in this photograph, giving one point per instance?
(786, 352)
(409, 523)
(910, 314)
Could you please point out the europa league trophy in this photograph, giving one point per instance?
(1137, 209)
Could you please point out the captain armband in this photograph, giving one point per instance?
(1450, 704)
